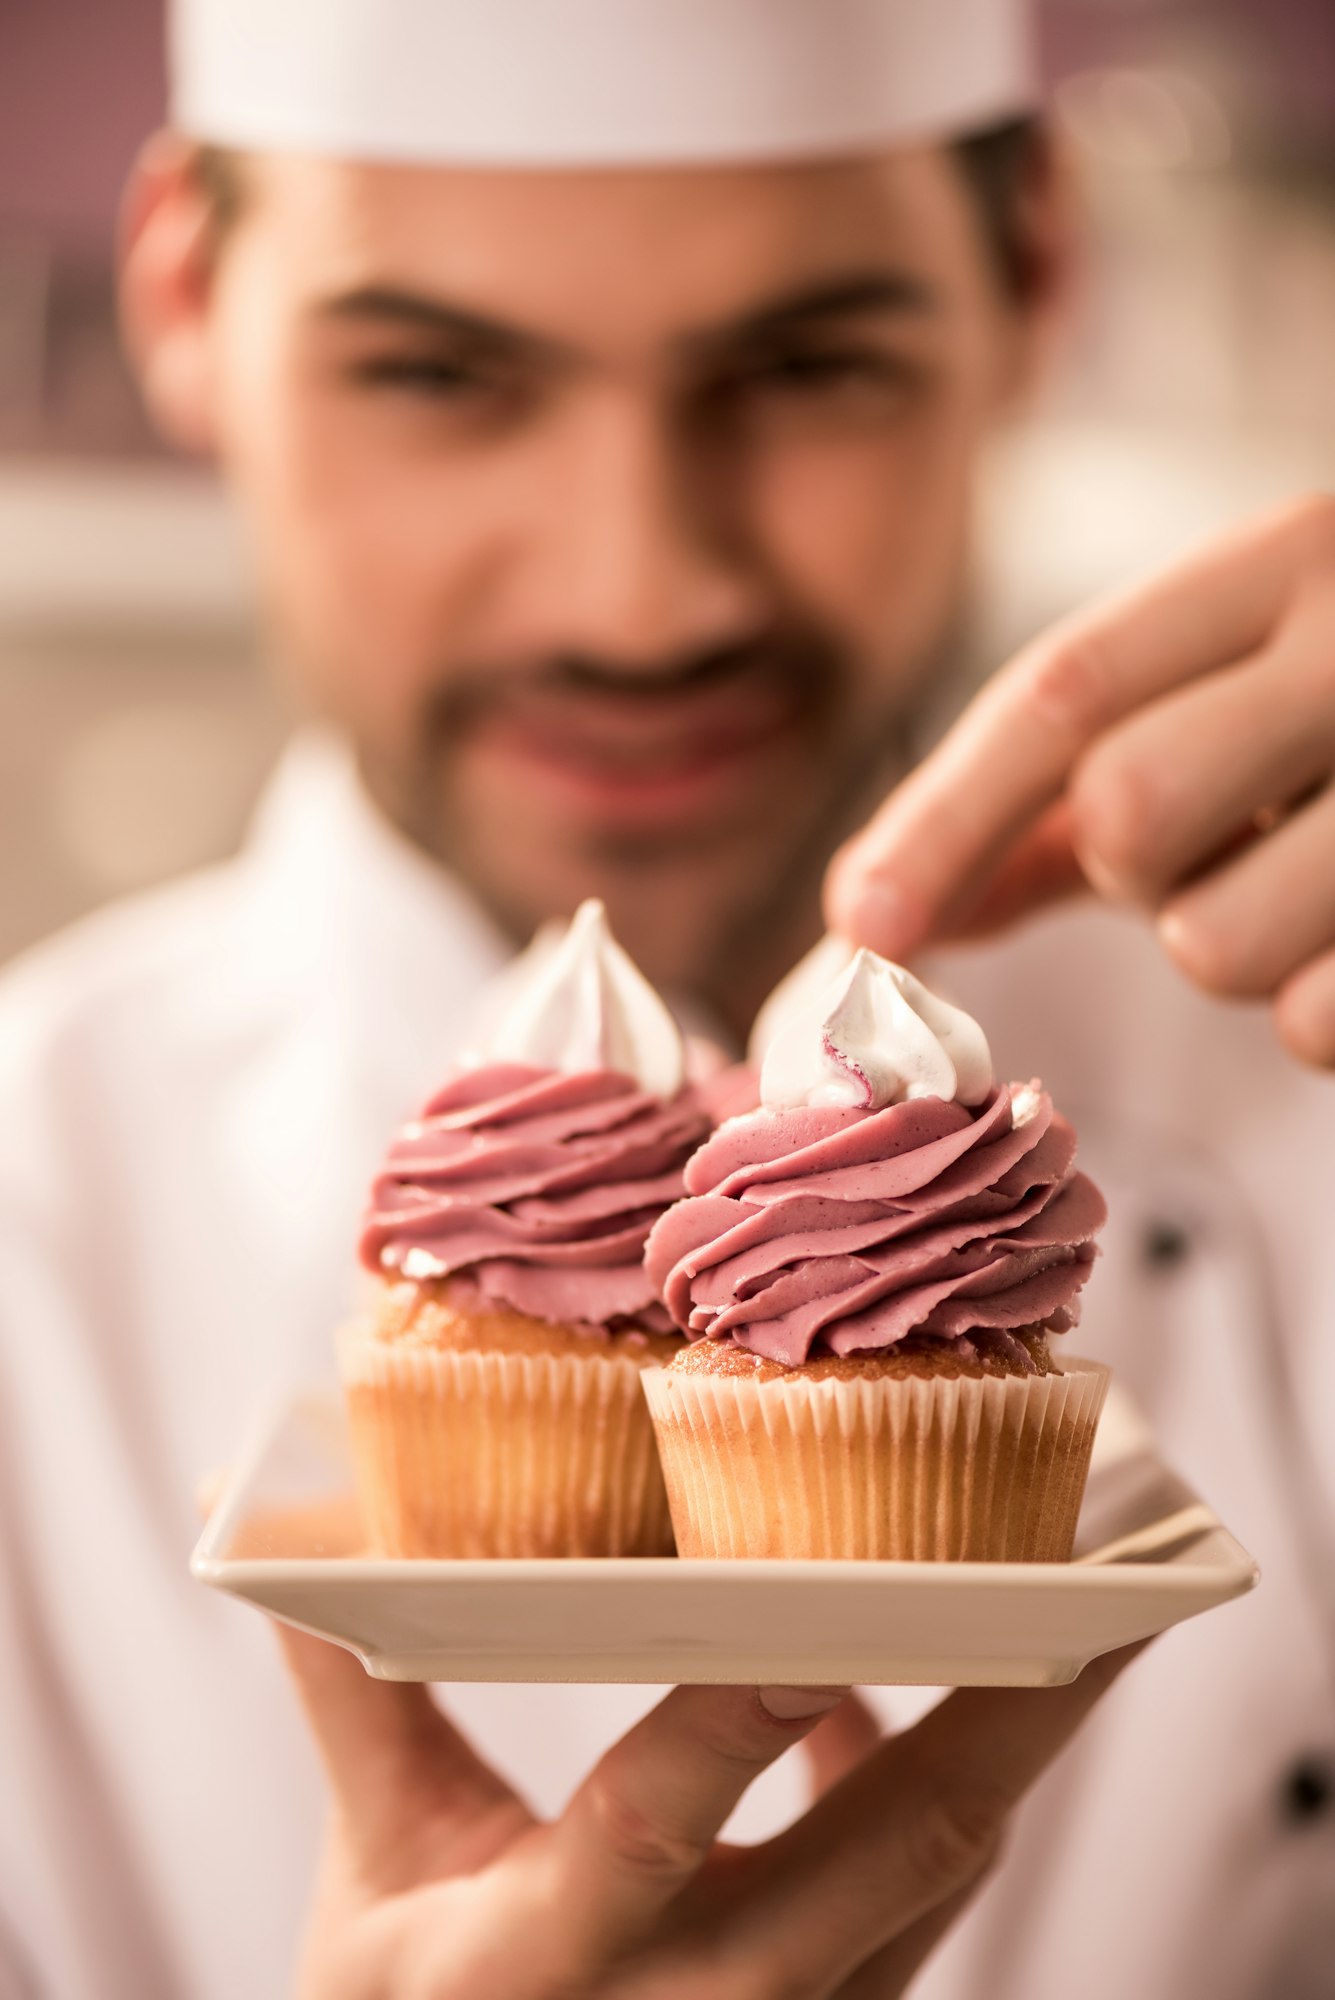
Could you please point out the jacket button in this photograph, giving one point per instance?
(1307, 1789)
(1165, 1244)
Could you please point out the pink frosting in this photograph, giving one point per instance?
(535, 1189)
(828, 1230)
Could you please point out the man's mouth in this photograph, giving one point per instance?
(645, 756)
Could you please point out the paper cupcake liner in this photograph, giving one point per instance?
(974, 1469)
(489, 1454)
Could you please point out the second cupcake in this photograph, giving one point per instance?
(872, 1269)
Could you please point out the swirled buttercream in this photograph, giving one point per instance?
(537, 1189)
(832, 1229)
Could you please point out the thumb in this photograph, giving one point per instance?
(398, 1770)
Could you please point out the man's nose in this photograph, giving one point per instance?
(639, 559)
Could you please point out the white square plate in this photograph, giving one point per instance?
(285, 1536)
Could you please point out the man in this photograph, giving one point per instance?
(603, 385)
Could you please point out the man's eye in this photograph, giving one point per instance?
(828, 371)
(824, 374)
(419, 375)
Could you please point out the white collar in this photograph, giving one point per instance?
(343, 913)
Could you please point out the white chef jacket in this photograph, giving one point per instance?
(194, 1089)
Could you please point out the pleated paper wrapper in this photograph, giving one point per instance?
(933, 1469)
(472, 1453)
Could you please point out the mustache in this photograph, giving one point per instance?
(805, 666)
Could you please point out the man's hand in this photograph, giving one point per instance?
(439, 1884)
(1173, 748)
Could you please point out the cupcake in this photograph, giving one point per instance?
(493, 1389)
(873, 1270)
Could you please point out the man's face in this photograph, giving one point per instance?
(617, 516)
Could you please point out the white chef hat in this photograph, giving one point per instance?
(595, 82)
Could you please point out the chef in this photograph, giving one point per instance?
(602, 385)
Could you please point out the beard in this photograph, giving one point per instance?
(717, 909)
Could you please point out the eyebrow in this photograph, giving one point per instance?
(861, 294)
(387, 305)
(854, 294)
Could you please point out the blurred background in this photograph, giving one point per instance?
(136, 722)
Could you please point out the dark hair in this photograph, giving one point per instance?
(994, 164)
(219, 174)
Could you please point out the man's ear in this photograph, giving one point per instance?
(167, 259)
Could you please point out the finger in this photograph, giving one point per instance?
(1247, 927)
(1305, 1013)
(915, 1824)
(840, 1741)
(1041, 869)
(1162, 795)
(886, 1974)
(644, 1821)
(405, 1782)
(1012, 750)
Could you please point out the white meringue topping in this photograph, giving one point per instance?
(872, 1038)
(804, 987)
(576, 1002)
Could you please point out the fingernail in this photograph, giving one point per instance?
(877, 913)
(796, 1704)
